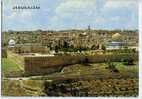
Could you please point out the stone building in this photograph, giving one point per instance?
(77, 38)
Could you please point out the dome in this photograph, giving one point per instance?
(84, 33)
(116, 37)
(11, 42)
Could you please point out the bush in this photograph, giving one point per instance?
(134, 50)
(128, 61)
(95, 47)
(112, 67)
(85, 62)
(4, 53)
(103, 47)
(56, 49)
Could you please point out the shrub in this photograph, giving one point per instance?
(128, 61)
(4, 53)
(112, 67)
(103, 47)
(134, 50)
(85, 62)
(56, 49)
(95, 47)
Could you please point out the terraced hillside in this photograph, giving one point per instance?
(78, 80)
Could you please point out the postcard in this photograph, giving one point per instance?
(70, 48)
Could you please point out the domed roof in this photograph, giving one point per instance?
(116, 37)
(84, 33)
(11, 42)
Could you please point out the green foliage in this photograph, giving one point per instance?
(4, 44)
(128, 61)
(9, 65)
(122, 51)
(134, 50)
(66, 45)
(95, 47)
(56, 49)
(4, 53)
(112, 66)
(103, 47)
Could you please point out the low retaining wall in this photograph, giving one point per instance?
(46, 65)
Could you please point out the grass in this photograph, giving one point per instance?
(12, 65)
(97, 70)
(127, 68)
(100, 67)
(9, 65)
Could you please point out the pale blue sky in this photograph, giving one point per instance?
(71, 14)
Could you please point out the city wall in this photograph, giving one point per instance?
(46, 65)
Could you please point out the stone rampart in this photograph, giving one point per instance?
(49, 64)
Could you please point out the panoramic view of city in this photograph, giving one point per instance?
(70, 48)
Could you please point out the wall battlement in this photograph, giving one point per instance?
(45, 65)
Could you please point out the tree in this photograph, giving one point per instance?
(112, 66)
(4, 44)
(128, 61)
(103, 47)
(95, 47)
(4, 53)
(66, 45)
(56, 49)
(80, 49)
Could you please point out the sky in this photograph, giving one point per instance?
(70, 14)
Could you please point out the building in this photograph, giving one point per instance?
(11, 43)
(116, 45)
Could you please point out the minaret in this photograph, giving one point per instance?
(89, 28)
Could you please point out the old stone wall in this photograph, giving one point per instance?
(46, 65)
